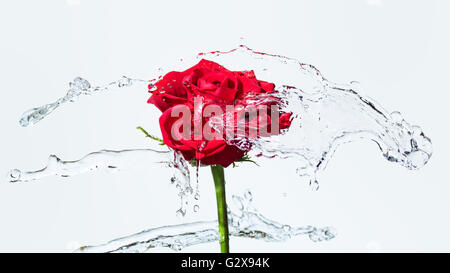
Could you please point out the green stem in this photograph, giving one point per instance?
(219, 182)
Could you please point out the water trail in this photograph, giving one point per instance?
(78, 87)
(110, 160)
(101, 160)
(326, 115)
(244, 221)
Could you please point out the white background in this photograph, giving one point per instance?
(397, 50)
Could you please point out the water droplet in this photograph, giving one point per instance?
(322, 234)
(286, 228)
(176, 247)
(355, 85)
(14, 175)
(248, 195)
(189, 190)
(314, 185)
(80, 84)
(180, 213)
(124, 82)
(396, 117)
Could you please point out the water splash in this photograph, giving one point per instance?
(110, 160)
(101, 160)
(183, 182)
(78, 87)
(244, 222)
(326, 115)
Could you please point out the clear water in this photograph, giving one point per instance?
(77, 88)
(109, 160)
(327, 115)
(244, 221)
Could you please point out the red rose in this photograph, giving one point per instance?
(177, 94)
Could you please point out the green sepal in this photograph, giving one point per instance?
(161, 142)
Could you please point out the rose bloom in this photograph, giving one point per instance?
(213, 85)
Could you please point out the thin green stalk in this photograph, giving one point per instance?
(219, 182)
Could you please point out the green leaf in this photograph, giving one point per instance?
(161, 142)
(245, 158)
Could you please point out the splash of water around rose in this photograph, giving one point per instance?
(326, 115)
